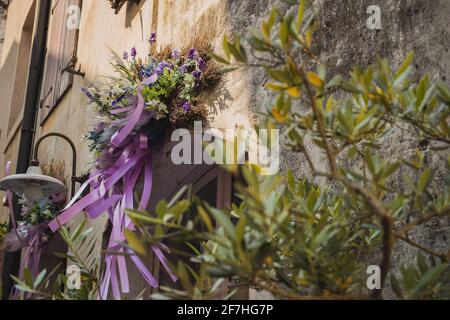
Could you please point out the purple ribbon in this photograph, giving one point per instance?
(15, 242)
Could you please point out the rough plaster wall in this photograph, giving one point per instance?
(344, 40)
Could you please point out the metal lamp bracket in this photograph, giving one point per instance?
(70, 68)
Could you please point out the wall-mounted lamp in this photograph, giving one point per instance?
(71, 68)
(34, 185)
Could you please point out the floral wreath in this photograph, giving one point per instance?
(135, 113)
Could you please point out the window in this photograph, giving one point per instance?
(60, 57)
(20, 81)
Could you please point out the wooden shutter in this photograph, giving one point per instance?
(61, 52)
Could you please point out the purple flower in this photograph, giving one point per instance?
(153, 38)
(201, 63)
(196, 74)
(125, 55)
(184, 68)
(160, 69)
(175, 54)
(133, 52)
(187, 106)
(87, 93)
(58, 199)
(192, 54)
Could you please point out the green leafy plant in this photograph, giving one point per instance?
(4, 227)
(312, 237)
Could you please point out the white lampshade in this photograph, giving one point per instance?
(33, 185)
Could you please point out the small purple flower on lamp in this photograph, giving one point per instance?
(183, 68)
(125, 55)
(192, 54)
(133, 52)
(153, 38)
(175, 54)
(187, 106)
(100, 127)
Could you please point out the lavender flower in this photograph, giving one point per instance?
(133, 52)
(196, 74)
(201, 63)
(153, 38)
(58, 199)
(184, 68)
(187, 106)
(160, 69)
(125, 55)
(100, 127)
(175, 54)
(192, 54)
